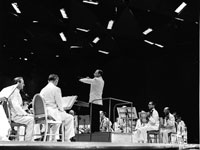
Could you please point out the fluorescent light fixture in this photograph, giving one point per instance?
(84, 30)
(64, 15)
(110, 24)
(104, 52)
(96, 40)
(63, 36)
(75, 46)
(161, 46)
(16, 8)
(90, 2)
(35, 21)
(147, 31)
(180, 8)
(116, 9)
(179, 19)
(149, 42)
(15, 14)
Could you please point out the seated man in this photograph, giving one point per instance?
(153, 122)
(4, 125)
(169, 125)
(52, 96)
(181, 130)
(105, 123)
(18, 114)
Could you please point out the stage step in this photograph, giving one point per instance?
(105, 137)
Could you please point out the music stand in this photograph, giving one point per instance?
(127, 113)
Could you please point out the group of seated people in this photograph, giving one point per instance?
(172, 128)
(52, 97)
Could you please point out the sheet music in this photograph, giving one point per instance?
(68, 101)
(124, 112)
(7, 91)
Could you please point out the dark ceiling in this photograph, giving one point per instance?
(133, 70)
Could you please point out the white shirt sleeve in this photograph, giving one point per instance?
(87, 80)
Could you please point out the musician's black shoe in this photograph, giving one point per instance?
(73, 139)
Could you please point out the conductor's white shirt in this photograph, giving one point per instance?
(96, 89)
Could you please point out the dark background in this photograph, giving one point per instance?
(133, 70)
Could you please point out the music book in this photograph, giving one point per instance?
(7, 91)
(68, 101)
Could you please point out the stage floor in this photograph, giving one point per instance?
(12, 145)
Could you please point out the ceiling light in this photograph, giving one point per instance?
(116, 9)
(31, 53)
(161, 46)
(64, 15)
(25, 59)
(25, 39)
(149, 42)
(104, 52)
(96, 40)
(16, 8)
(35, 21)
(90, 2)
(75, 46)
(180, 8)
(179, 19)
(63, 36)
(57, 56)
(110, 24)
(147, 31)
(84, 30)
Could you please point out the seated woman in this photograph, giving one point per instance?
(141, 122)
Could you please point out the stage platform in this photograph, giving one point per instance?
(11, 145)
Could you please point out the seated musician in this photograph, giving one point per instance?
(105, 123)
(118, 125)
(52, 96)
(4, 125)
(141, 122)
(152, 124)
(169, 125)
(181, 130)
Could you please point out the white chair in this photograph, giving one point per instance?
(41, 117)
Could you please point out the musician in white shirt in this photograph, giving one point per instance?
(4, 125)
(169, 125)
(18, 114)
(95, 97)
(153, 122)
(52, 96)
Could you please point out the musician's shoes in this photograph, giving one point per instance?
(73, 139)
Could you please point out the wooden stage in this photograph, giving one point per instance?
(12, 145)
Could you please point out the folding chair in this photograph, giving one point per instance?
(14, 134)
(41, 117)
